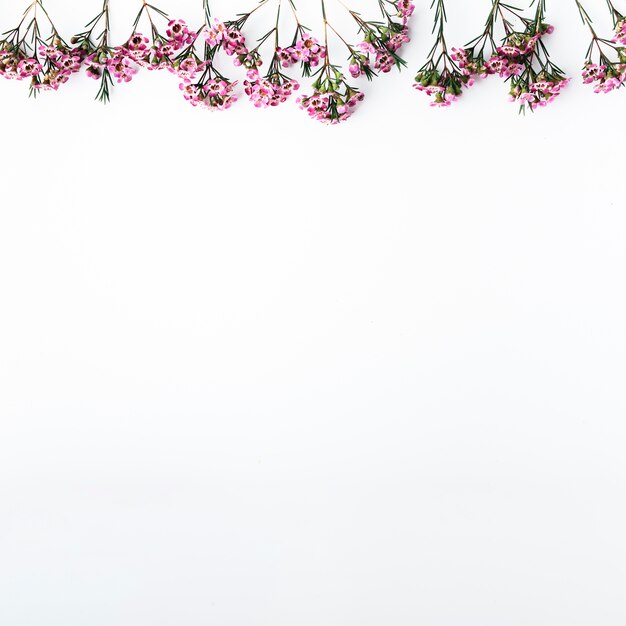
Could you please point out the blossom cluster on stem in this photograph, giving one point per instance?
(442, 77)
(47, 61)
(511, 47)
(605, 64)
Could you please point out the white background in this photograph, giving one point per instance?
(256, 371)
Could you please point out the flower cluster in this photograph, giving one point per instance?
(442, 77)
(109, 64)
(269, 91)
(605, 65)
(378, 51)
(520, 58)
(274, 87)
(26, 54)
(214, 94)
(305, 50)
(333, 100)
(47, 70)
(155, 53)
(202, 84)
(535, 80)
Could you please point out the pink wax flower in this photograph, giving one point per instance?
(121, 67)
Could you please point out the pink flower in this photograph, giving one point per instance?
(234, 43)
(94, 67)
(510, 51)
(355, 70)
(179, 34)
(384, 62)
(69, 63)
(398, 40)
(187, 68)
(121, 67)
(405, 9)
(50, 52)
(496, 65)
(215, 34)
(138, 46)
(460, 57)
(27, 68)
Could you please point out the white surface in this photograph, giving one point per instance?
(255, 371)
